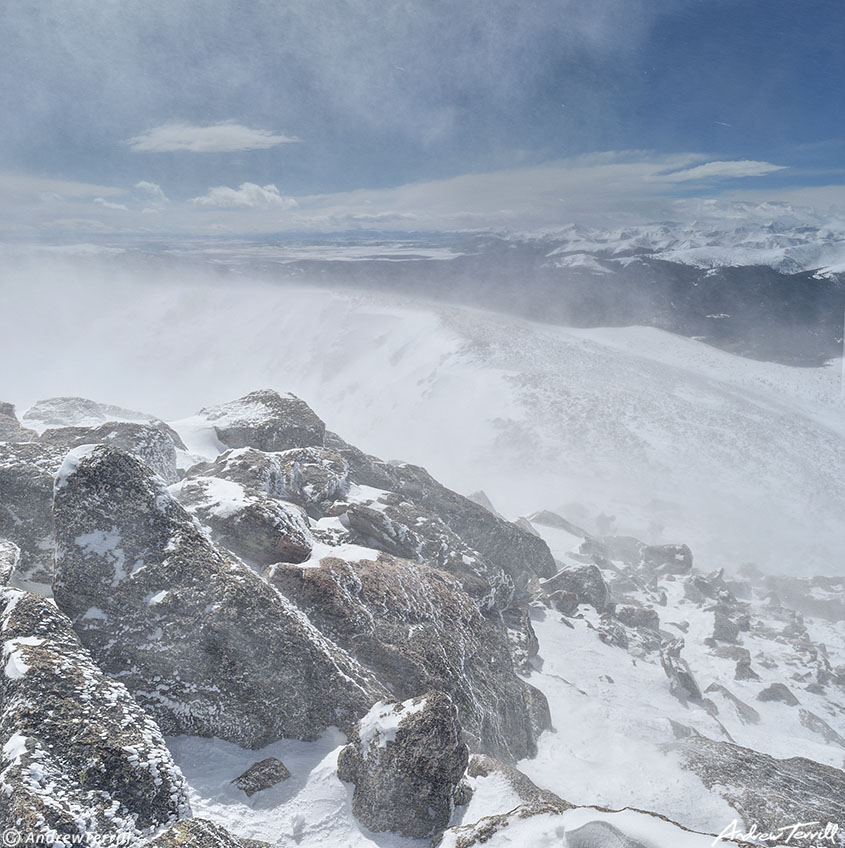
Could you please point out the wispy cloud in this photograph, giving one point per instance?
(249, 195)
(724, 170)
(153, 190)
(608, 189)
(109, 204)
(218, 138)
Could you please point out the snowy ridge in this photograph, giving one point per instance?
(774, 235)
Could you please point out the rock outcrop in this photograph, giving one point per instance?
(392, 524)
(77, 412)
(778, 692)
(406, 761)
(314, 478)
(26, 508)
(201, 833)
(249, 523)
(262, 775)
(79, 756)
(584, 580)
(153, 443)
(200, 640)
(11, 429)
(415, 628)
(519, 554)
(766, 791)
(10, 558)
(266, 420)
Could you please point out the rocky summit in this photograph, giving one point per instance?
(238, 630)
(197, 637)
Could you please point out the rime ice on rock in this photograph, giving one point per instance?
(79, 756)
(406, 760)
(200, 640)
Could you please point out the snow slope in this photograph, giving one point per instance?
(669, 439)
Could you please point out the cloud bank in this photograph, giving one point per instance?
(249, 195)
(218, 138)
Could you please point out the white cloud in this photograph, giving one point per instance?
(217, 138)
(249, 195)
(724, 170)
(108, 204)
(153, 190)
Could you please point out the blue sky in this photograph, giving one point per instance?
(145, 114)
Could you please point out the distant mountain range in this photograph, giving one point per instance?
(764, 287)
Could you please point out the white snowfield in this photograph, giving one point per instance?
(669, 439)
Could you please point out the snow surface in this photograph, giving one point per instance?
(742, 460)
(15, 665)
(311, 809)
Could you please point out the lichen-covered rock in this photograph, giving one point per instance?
(262, 775)
(200, 833)
(415, 628)
(26, 509)
(584, 580)
(201, 641)
(10, 557)
(313, 477)
(77, 412)
(519, 554)
(266, 420)
(766, 791)
(391, 524)
(249, 523)
(154, 443)
(406, 761)
(79, 756)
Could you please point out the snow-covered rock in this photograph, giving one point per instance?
(584, 580)
(415, 628)
(519, 554)
(765, 790)
(262, 775)
(247, 522)
(154, 443)
(312, 477)
(79, 756)
(198, 638)
(406, 760)
(396, 526)
(266, 420)
(77, 412)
